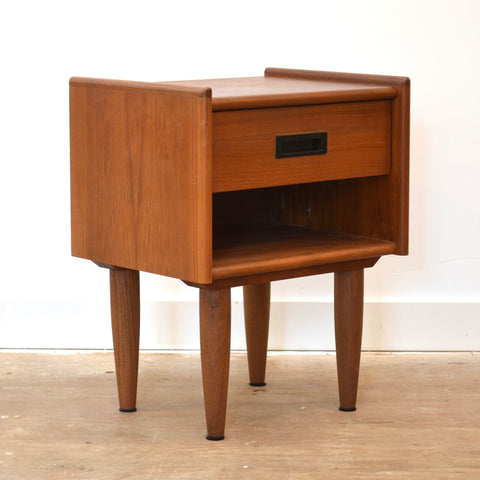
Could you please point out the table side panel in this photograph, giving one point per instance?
(141, 177)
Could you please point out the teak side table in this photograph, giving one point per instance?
(239, 182)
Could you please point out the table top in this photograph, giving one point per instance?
(268, 91)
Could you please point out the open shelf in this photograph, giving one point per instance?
(250, 249)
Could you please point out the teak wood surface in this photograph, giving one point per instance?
(284, 87)
(256, 301)
(244, 153)
(263, 249)
(125, 309)
(215, 327)
(181, 179)
(142, 164)
(348, 334)
(141, 176)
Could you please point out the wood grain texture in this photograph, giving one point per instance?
(344, 78)
(146, 160)
(215, 326)
(258, 278)
(141, 176)
(348, 334)
(396, 189)
(351, 206)
(125, 310)
(244, 144)
(377, 207)
(256, 305)
(280, 90)
(256, 249)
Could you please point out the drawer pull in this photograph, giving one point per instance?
(300, 145)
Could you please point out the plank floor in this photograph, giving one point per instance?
(418, 417)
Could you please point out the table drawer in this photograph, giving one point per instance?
(358, 144)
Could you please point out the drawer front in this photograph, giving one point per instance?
(358, 144)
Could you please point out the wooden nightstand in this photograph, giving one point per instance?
(241, 181)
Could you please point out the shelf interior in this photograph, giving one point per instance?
(255, 248)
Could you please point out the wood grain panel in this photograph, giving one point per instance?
(141, 176)
(359, 138)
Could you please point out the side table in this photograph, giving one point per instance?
(239, 182)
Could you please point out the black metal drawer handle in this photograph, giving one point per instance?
(300, 145)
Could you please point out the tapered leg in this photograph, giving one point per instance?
(256, 301)
(348, 334)
(125, 309)
(215, 352)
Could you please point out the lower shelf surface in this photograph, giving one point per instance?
(261, 248)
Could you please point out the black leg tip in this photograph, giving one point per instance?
(262, 384)
(214, 439)
(347, 409)
(127, 410)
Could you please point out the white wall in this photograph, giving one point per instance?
(429, 300)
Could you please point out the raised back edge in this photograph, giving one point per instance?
(361, 78)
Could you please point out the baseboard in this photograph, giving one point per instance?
(294, 326)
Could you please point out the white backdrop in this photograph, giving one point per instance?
(427, 301)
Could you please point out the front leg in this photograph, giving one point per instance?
(215, 320)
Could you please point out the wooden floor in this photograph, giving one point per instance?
(418, 417)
